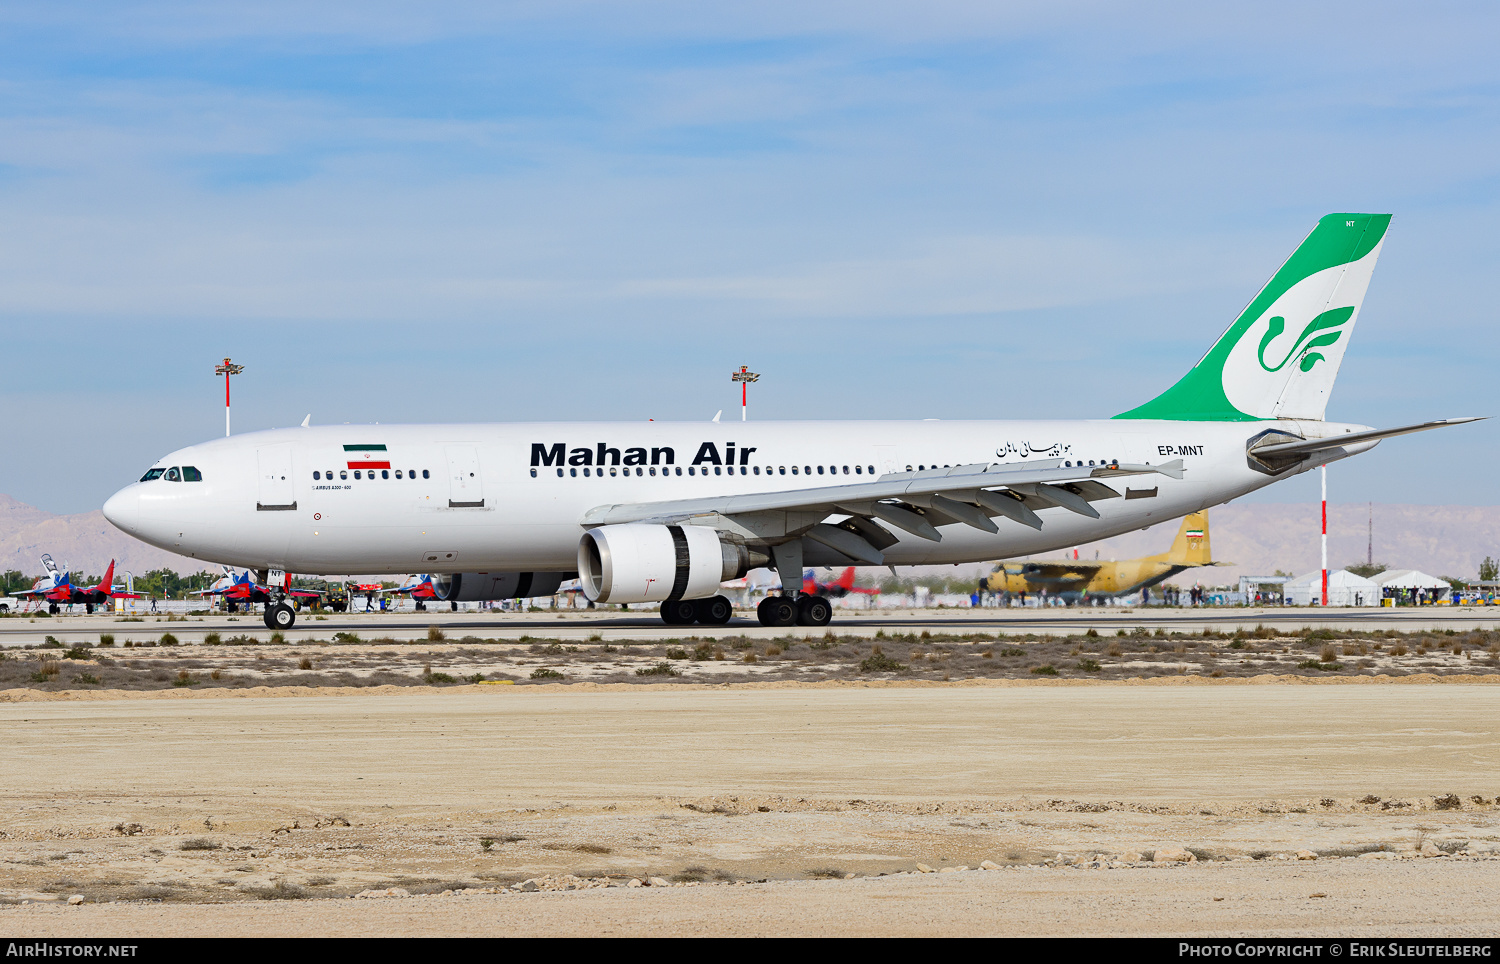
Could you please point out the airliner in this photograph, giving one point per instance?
(661, 512)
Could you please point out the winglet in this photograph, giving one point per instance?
(307, 421)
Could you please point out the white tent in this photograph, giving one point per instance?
(1408, 579)
(1344, 589)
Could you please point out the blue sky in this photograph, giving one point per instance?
(394, 212)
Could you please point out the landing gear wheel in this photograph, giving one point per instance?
(814, 611)
(713, 611)
(280, 617)
(454, 604)
(88, 608)
(52, 608)
(679, 612)
(777, 611)
(421, 606)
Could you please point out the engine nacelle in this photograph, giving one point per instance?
(639, 563)
(486, 586)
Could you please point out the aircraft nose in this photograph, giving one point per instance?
(123, 509)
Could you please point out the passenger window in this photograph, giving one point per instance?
(533, 473)
(559, 473)
(781, 470)
(653, 470)
(690, 470)
(153, 474)
(757, 470)
(572, 472)
(820, 470)
(385, 473)
(424, 473)
(716, 470)
(191, 474)
(871, 469)
(356, 473)
(857, 470)
(317, 475)
(398, 473)
(794, 470)
(585, 472)
(679, 470)
(174, 474)
(344, 474)
(846, 470)
(613, 472)
(807, 470)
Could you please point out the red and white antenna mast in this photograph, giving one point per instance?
(1323, 471)
(227, 369)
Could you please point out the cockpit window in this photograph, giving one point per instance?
(191, 474)
(152, 474)
(174, 474)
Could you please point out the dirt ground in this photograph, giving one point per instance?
(1164, 807)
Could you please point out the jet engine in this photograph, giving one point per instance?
(639, 563)
(484, 586)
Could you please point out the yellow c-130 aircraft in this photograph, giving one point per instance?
(1107, 578)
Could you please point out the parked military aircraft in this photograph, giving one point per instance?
(1063, 577)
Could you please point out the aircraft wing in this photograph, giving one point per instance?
(915, 502)
(1064, 569)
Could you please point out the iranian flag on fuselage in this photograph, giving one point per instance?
(367, 456)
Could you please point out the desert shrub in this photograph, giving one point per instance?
(879, 662)
(542, 672)
(213, 639)
(167, 639)
(1089, 665)
(106, 639)
(435, 634)
(1048, 670)
(660, 669)
(676, 653)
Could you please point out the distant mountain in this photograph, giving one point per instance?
(85, 542)
(1442, 540)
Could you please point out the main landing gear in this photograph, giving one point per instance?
(713, 611)
(280, 616)
(805, 610)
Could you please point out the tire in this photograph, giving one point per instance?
(777, 611)
(713, 611)
(265, 617)
(281, 617)
(679, 612)
(814, 611)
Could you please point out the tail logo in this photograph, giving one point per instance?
(1307, 341)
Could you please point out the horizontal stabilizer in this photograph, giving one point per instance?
(1309, 446)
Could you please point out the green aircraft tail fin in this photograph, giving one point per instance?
(1280, 357)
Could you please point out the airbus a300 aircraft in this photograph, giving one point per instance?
(654, 512)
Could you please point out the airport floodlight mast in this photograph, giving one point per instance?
(227, 369)
(744, 376)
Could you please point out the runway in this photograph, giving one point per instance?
(615, 625)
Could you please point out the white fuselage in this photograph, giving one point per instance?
(489, 497)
